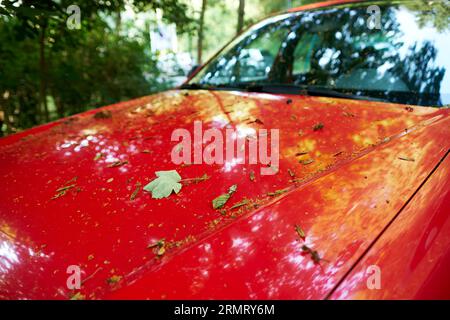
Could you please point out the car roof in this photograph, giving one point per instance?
(322, 4)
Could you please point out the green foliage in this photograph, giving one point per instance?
(438, 14)
(48, 71)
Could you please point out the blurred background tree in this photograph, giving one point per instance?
(122, 49)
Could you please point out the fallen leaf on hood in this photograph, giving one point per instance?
(78, 296)
(117, 163)
(313, 253)
(240, 204)
(252, 176)
(136, 191)
(63, 190)
(300, 231)
(204, 177)
(348, 114)
(258, 121)
(104, 114)
(163, 186)
(301, 153)
(161, 251)
(159, 246)
(318, 126)
(114, 279)
(406, 159)
(277, 192)
(98, 156)
(291, 173)
(306, 162)
(179, 147)
(221, 200)
(160, 243)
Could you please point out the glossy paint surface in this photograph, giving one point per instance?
(342, 200)
(413, 255)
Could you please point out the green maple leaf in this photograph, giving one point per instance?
(163, 186)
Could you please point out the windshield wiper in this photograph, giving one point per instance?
(281, 89)
(198, 86)
(192, 86)
(305, 90)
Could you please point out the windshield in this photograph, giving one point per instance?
(402, 55)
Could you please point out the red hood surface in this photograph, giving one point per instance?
(369, 158)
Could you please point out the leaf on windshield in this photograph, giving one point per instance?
(221, 200)
(166, 183)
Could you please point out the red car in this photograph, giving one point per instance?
(357, 208)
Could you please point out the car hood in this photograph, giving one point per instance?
(72, 196)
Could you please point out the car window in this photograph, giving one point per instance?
(405, 60)
(251, 58)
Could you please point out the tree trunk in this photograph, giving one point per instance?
(200, 33)
(118, 21)
(241, 15)
(43, 74)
